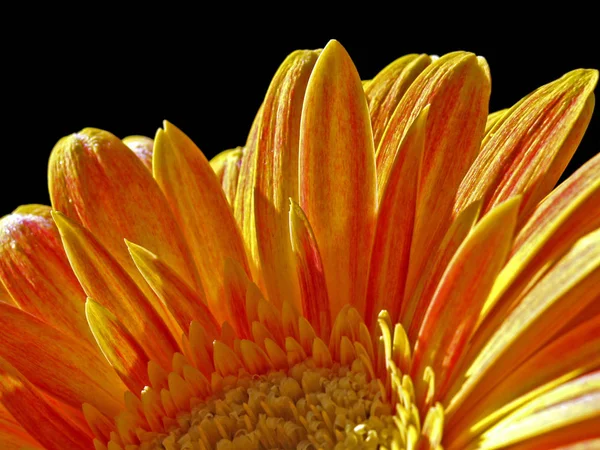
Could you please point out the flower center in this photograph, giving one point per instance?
(305, 407)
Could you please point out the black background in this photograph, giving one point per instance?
(208, 76)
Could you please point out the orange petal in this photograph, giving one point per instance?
(183, 302)
(236, 285)
(494, 118)
(569, 356)
(554, 226)
(337, 174)
(36, 272)
(104, 280)
(457, 89)
(66, 367)
(414, 308)
(226, 166)
(142, 146)
(196, 198)
(315, 303)
(391, 249)
(566, 289)
(527, 150)
(30, 409)
(97, 181)
(388, 87)
(277, 174)
(118, 346)
(457, 302)
(12, 435)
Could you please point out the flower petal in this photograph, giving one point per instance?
(554, 226)
(457, 88)
(570, 355)
(196, 198)
(313, 287)
(142, 146)
(226, 166)
(388, 87)
(104, 280)
(528, 149)
(567, 288)
(394, 230)
(97, 181)
(184, 303)
(566, 414)
(12, 434)
(457, 302)
(337, 174)
(494, 118)
(121, 350)
(277, 176)
(30, 409)
(36, 272)
(66, 367)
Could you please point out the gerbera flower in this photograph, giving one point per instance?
(382, 265)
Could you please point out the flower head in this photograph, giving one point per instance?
(383, 265)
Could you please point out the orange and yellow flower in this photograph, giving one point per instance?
(383, 265)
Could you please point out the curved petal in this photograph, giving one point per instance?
(66, 367)
(97, 181)
(200, 206)
(528, 148)
(36, 272)
(142, 146)
(277, 174)
(30, 409)
(104, 280)
(337, 174)
(226, 166)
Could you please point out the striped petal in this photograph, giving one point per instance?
(313, 287)
(337, 174)
(566, 289)
(494, 118)
(142, 146)
(565, 215)
(97, 181)
(457, 302)
(277, 174)
(66, 367)
(226, 166)
(36, 416)
(457, 88)
(528, 148)
(388, 87)
(118, 346)
(104, 280)
(36, 272)
(391, 249)
(183, 302)
(196, 198)
(12, 434)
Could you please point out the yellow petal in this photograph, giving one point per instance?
(313, 287)
(566, 414)
(453, 312)
(337, 174)
(554, 226)
(277, 174)
(30, 409)
(142, 146)
(196, 198)
(97, 181)
(388, 87)
(121, 350)
(567, 288)
(570, 355)
(457, 90)
(183, 302)
(66, 367)
(103, 279)
(226, 166)
(494, 118)
(528, 149)
(391, 249)
(36, 273)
